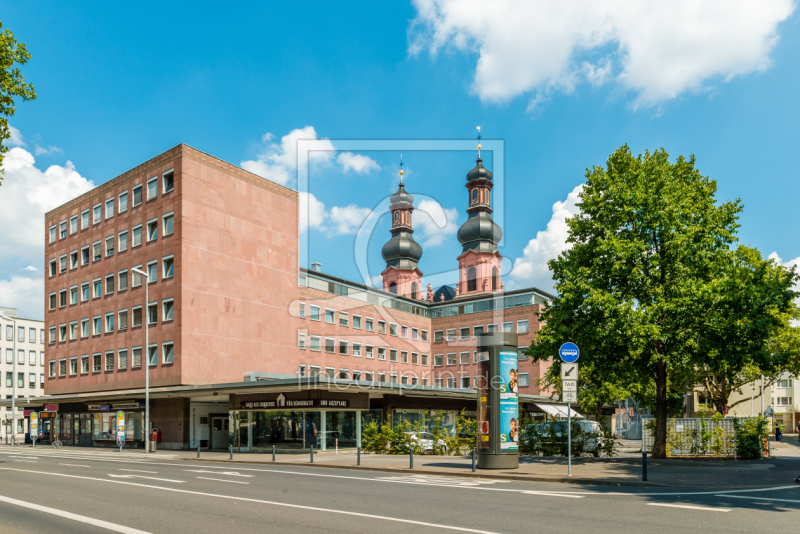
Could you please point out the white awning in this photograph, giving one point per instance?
(557, 410)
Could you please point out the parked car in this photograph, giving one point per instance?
(590, 427)
(424, 440)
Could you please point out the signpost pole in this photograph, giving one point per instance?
(34, 427)
(569, 354)
(120, 429)
(569, 439)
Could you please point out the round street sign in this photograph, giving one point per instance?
(569, 352)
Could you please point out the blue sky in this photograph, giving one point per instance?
(563, 85)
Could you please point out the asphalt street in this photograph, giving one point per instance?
(76, 490)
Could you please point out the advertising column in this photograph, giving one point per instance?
(509, 403)
(497, 402)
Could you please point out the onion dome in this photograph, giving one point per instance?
(479, 233)
(401, 251)
(479, 172)
(401, 196)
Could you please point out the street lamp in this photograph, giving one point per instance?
(146, 359)
(13, 379)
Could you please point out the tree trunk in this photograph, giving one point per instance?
(660, 438)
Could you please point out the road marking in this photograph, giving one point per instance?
(259, 501)
(75, 465)
(757, 498)
(148, 478)
(140, 471)
(689, 507)
(75, 517)
(230, 473)
(223, 480)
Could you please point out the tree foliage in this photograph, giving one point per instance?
(652, 287)
(12, 84)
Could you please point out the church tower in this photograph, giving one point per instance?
(479, 262)
(401, 253)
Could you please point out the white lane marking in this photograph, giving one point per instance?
(139, 471)
(770, 499)
(230, 473)
(553, 494)
(75, 517)
(689, 507)
(223, 480)
(75, 465)
(259, 501)
(148, 478)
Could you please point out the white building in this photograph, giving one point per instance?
(784, 402)
(21, 340)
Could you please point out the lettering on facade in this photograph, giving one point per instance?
(285, 402)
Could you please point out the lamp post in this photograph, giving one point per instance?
(146, 358)
(13, 379)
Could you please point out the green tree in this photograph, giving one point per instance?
(11, 84)
(642, 291)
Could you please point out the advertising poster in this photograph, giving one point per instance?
(484, 413)
(34, 430)
(120, 427)
(508, 375)
(509, 425)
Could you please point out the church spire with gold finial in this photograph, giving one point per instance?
(479, 143)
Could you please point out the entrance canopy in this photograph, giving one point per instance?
(557, 410)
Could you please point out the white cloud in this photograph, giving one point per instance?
(347, 220)
(357, 162)
(434, 223)
(531, 269)
(26, 195)
(278, 162)
(40, 151)
(312, 212)
(16, 137)
(25, 294)
(659, 49)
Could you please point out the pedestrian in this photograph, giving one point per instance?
(778, 434)
(798, 430)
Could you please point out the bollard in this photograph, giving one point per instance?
(312, 454)
(411, 458)
(358, 456)
(473, 460)
(198, 448)
(337, 445)
(273, 453)
(644, 465)
(231, 449)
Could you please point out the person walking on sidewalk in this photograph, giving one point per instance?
(778, 434)
(798, 430)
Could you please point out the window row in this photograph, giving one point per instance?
(111, 360)
(466, 382)
(21, 357)
(344, 320)
(111, 321)
(21, 334)
(345, 348)
(463, 333)
(21, 381)
(363, 376)
(95, 214)
(112, 282)
(111, 244)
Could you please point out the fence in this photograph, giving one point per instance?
(694, 437)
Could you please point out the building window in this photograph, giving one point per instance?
(122, 358)
(492, 328)
(96, 362)
(169, 266)
(62, 263)
(403, 331)
(109, 208)
(403, 356)
(314, 343)
(301, 310)
(73, 334)
(84, 327)
(123, 320)
(51, 372)
(73, 225)
(472, 279)
(123, 201)
(344, 319)
(110, 361)
(494, 278)
(314, 315)
(152, 230)
(96, 325)
(152, 188)
(330, 345)
(381, 327)
(381, 353)
(152, 271)
(451, 335)
(84, 219)
(169, 180)
(53, 268)
(97, 251)
(152, 355)
(451, 358)
(424, 336)
(62, 229)
(137, 278)
(52, 340)
(109, 322)
(381, 377)
(62, 301)
(424, 360)
(368, 352)
(52, 301)
(53, 234)
(122, 278)
(137, 317)
(329, 316)
(464, 333)
(123, 241)
(438, 360)
(344, 348)
(109, 246)
(73, 259)
(369, 325)
(522, 327)
(414, 290)
(137, 236)
(464, 382)
(84, 291)
(392, 329)
(136, 354)
(85, 255)
(393, 355)
(524, 380)
(438, 336)
(783, 401)
(152, 313)
(508, 327)
(97, 215)
(169, 223)
(109, 284)
(137, 195)
(464, 358)
(301, 340)
(356, 350)
(168, 309)
(62, 371)
(168, 352)
(414, 358)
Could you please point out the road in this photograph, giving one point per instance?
(87, 491)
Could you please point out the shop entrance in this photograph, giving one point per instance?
(83, 429)
(219, 432)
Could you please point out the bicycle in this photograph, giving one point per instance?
(56, 443)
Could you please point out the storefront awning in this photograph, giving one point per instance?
(557, 410)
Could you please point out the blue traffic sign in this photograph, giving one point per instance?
(569, 352)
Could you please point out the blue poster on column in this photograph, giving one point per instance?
(509, 404)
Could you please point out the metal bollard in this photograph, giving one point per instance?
(312, 454)
(273, 453)
(644, 466)
(473, 460)
(231, 449)
(358, 456)
(198, 448)
(411, 458)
